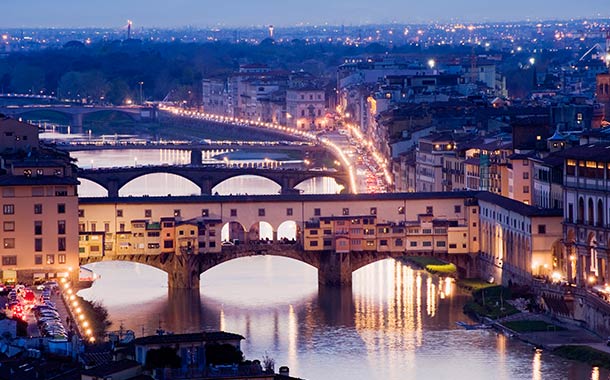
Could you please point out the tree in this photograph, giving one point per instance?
(218, 354)
(164, 357)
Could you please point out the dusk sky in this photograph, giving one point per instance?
(201, 13)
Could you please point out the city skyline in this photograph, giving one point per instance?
(154, 13)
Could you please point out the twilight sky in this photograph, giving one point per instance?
(200, 13)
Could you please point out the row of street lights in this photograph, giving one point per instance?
(277, 127)
(80, 321)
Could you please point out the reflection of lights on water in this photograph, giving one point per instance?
(595, 373)
(223, 324)
(537, 365)
(293, 335)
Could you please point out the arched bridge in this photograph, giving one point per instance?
(206, 177)
(76, 112)
(334, 268)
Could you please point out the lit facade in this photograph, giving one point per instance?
(39, 218)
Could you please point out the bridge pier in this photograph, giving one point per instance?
(335, 269)
(76, 125)
(183, 272)
(196, 157)
(113, 189)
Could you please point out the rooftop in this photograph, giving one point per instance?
(595, 152)
(516, 206)
(109, 368)
(185, 338)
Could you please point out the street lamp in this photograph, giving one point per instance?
(141, 100)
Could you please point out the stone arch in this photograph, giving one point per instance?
(590, 212)
(289, 230)
(127, 115)
(261, 232)
(233, 232)
(581, 210)
(168, 178)
(600, 212)
(305, 185)
(224, 186)
(93, 189)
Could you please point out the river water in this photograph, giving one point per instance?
(395, 323)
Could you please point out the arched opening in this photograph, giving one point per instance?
(592, 266)
(88, 189)
(600, 213)
(247, 184)
(581, 211)
(320, 185)
(233, 233)
(590, 214)
(261, 232)
(103, 117)
(129, 283)
(258, 281)
(46, 115)
(288, 232)
(159, 184)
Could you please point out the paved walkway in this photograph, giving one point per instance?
(572, 335)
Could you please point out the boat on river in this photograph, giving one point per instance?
(473, 326)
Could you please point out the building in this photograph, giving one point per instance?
(518, 241)
(586, 212)
(306, 108)
(39, 207)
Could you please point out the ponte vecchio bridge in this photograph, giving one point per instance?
(336, 234)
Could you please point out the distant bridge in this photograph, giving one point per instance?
(334, 268)
(76, 112)
(206, 177)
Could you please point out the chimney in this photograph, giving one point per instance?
(284, 371)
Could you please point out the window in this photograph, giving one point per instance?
(61, 208)
(328, 243)
(526, 189)
(38, 259)
(413, 244)
(398, 242)
(373, 210)
(313, 232)
(317, 212)
(542, 229)
(429, 210)
(526, 162)
(452, 246)
(9, 260)
(38, 245)
(61, 244)
(177, 213)
(9, 226)
(9, 243)
(401, 210)
(38, 227)
(122, 227)
(289, 212)
(261, 212)
(441, 244)
(457, 209)
(61, 258)
(38, 208)
(205, 212)
(383, 242)
(148, 213)
(526, 175)
(427, 244)
(313, 243)
(61, 227)
(168, 244)
(81, 213)
(153, 245)
(50, 259)
(106, 227)
(345, 211)
(233, 212)
(8, 209)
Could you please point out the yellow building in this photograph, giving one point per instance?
(39, 215)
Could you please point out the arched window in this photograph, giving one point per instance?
(581, 211)
(600, 213)
(590, 214)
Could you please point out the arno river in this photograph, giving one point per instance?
(395, 322)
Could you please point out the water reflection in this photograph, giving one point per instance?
(396, 323)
